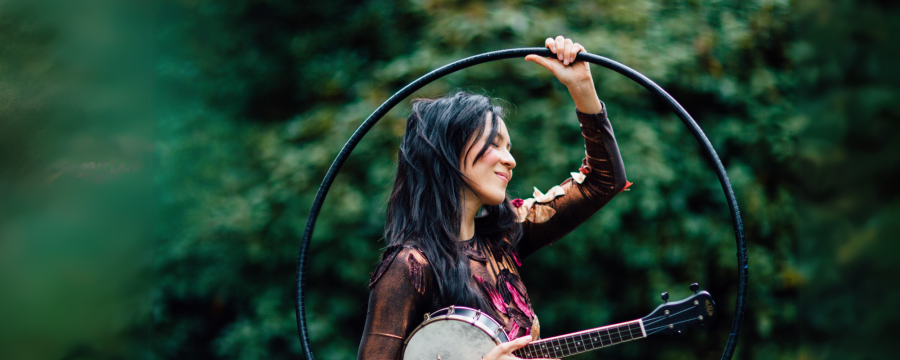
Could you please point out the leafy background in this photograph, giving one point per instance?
(159, 161)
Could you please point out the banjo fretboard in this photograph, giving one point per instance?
(583, 341)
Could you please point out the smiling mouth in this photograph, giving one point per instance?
(503, 176)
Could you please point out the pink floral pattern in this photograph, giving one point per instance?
(495, 297)
(517, 299)
(513, 331)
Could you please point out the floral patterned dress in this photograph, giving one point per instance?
(403, 288)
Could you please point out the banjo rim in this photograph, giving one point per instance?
(450, 313)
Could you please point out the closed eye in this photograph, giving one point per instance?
(497, 140)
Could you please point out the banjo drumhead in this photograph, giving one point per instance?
(454, 333)
(450, 339)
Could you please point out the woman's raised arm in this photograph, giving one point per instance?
(549, 216)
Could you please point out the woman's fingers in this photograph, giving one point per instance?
(564, 48)
(566, 51)
(560, 46)
(576, 48)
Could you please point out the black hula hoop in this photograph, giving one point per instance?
(518, 53)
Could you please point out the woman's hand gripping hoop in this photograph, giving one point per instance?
(575, 75)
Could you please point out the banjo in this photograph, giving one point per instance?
(458, 333)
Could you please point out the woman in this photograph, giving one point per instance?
(454, 237)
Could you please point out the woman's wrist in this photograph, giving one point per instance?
(585, 97)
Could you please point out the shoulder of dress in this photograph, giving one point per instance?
(387, 257)
(406, 256)
(413, 252)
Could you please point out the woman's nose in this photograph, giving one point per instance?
(509, 160)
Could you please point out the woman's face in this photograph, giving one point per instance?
(490, 174)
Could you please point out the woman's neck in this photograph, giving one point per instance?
(470, 208)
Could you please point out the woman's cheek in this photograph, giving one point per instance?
(491, 157)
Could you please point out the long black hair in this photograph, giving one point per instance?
(425, 208)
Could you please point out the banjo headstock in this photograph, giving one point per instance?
(672, 317)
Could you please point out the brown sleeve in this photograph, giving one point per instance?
(604, 179)
(399, 298)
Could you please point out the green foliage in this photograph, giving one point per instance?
(252, 100)
(850, 200)
(74, 184)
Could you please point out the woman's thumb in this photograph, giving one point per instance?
(522, 341)
(540, 60)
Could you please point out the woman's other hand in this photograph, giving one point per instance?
(504, 350)
(563, 66)
(575, 75)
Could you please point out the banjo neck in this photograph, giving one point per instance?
(583, 341)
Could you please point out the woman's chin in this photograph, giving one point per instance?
(495, 201)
